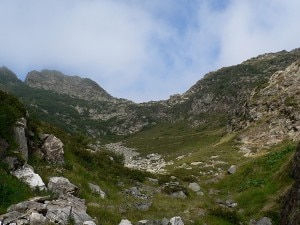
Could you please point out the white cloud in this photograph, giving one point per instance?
(142, 50)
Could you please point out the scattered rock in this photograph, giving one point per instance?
(53, 150)
(176, 221)
(143, 206)
(179, 194)
(228, 203)
(62, 186)
(194, 187)
(232, 169)
(28, 176)
(97, 190)
(262, 221)
(20, 138)
(125, 222)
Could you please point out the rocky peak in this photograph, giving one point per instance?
(73, 86)
(7, 76)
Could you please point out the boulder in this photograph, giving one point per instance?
(53, 150)
(232, 169)
(125, 222)
(97, 190)
(22, 207)
(176, 221)
(67, 208)
(263, 221)
(179, 194)
(194, 187)
(20, 138)
(9, 217)
(28, 176)
(38, 219)
(62, 186)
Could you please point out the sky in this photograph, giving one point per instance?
(142, 50)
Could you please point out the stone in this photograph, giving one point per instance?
(262, 221)
(194, 187)
(125, 222)
(62, 186)
(67, 208)
(143, 206)
(165, 221)
(20, 138)
(22, 207)
(38, 219)
(53, 150)
(232, 169)
(97, 190)
(9, 217)
(176, 221)
(89, 223)
(179, 194)
(28, 176)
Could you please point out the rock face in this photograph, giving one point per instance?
(275, 109)
(20, 138)
(290, 214)
(28, 176)
(53, 150)
(75, 86)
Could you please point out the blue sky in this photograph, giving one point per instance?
(142, 49)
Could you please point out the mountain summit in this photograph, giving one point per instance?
(82, 88)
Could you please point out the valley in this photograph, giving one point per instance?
(220, 153)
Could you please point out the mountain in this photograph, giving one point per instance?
(220, 153)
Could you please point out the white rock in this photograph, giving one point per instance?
(176, 221)
(88, 223)
(125, 222)
(232, 169)
(28, 176)
(194, 187)
(37, 219)
(97, 190)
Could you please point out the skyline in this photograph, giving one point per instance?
(142, 50)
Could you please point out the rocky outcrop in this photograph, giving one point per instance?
(153, 163)
(28, 176)
(20, 138)
(290, 214)
(272, 113)
(64, 210)
(53, 149)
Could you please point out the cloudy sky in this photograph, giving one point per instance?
(142, 49)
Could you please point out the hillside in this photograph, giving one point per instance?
(220, 153)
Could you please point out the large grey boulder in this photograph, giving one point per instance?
(53, 149)
(9, 217)
(28, 176)
(20, 138)
(62, 186)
